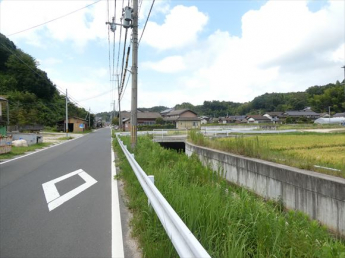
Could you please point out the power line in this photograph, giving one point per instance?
(54, 19)
(146, 21)
(125, 87)
(123, 57)
(99, 95)
(125, 69)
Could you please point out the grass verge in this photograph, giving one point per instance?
(22, 150)
(227, 220)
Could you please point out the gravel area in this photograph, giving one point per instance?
(54, 137)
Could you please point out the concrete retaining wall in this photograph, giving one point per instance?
(320, 196)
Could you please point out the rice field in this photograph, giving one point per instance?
(302, 150)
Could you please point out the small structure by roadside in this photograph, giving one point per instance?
(75, 124)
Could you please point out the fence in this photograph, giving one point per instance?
(181, 237)
(160, 134)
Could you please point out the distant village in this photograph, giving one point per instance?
(188, 119)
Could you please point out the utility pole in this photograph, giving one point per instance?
(329, 114)
(114, 109)
(134, 76)
(66, 114)
(119, 101)
(111, 114)
(344, 79)
(89, 119)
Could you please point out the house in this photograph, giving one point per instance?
(75, 125)
(306, 113)
(257, 119)
(236, 119)
(324, 115)
(143, 118)
(204, 119)
(339, 115)
(183, 119)
(222, 120)
(275, 117)
(166, 111)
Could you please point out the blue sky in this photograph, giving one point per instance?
(191, 51)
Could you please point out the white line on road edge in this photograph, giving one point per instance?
(53, 197)
(116, 229)
(46, 148)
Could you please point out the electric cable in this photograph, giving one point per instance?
(148, 16)
(125, 70)
(125, 87)
(123, 57)
(53, 19)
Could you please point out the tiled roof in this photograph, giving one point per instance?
(188, 119)
(258, 117)
(179, 112)
(301, 113)
(142, 115)
(339, 115)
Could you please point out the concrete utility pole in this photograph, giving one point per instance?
(134, 76)
(119, 101)
(111, 114)
(66, 114)
(114, 109)
(344, 78)
(89, 119)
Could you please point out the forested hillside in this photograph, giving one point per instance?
(319, 98)
(33, 98)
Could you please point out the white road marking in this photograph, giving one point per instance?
(116, 228)
(52, 195)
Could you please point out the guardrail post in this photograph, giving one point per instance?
(152, 179)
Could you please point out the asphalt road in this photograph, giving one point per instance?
(79, 222)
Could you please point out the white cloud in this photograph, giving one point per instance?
(171, 64)
(180, 28)
(79, 27)
(284, 47)
(50, 61)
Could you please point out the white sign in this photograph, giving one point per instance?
(53, 197)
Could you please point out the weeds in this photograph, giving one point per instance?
(302, 150)
(227, 220)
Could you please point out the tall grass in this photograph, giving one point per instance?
(228, 221)
(302, 150)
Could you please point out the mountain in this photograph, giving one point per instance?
(33, 98)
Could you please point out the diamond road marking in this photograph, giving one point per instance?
(52, 195)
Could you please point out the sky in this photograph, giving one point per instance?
(191, 51)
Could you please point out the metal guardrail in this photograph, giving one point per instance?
(169, 133)
(181, 237)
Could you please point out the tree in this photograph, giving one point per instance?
(115, 121)
(159, 121)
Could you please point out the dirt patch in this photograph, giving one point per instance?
(54, 137)
(325, 130)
